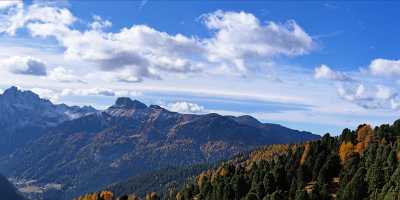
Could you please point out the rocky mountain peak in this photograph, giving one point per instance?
(11, 90)
(126, 102)
(15, 95)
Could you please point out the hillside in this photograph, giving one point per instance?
(163, 181)
(131, 138)
(8, 191)
(361, 164)
(159, 181)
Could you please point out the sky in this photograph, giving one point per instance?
(317, 66)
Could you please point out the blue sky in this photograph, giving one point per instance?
(315, 66)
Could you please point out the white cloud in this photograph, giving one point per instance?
(25, 65)
(11, 16)
(395, 103)
(385, 67)
(88, 92)
(63, 75)
(55, 95)
(99, 24)
(5, 4)
(46, 94)
(140, 50)
(185, 107)
(384, 93)
(241, 38)
(98, 92)
(240, 43)
(126, 93)
(325, 72)
(16, 17)
(369, 96)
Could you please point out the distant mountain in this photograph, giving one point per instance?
(8, 191)
(130, 138)
(24, 116)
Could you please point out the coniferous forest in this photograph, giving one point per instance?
(359, 164)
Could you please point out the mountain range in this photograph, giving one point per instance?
(24, 117)
(82, 149)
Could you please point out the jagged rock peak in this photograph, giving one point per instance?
(126, 102)
(11, 90)
(15, 94)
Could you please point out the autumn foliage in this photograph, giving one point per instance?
(346, 150)
(365, 135)
(306, 151)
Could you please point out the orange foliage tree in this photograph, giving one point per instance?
(106, 195)
(365, 135)
(306, 151)
(346, 150)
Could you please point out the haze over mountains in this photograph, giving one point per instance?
(83, 149)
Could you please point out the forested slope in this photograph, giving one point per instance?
(361, 164)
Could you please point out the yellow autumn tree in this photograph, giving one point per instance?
(306, 151)
(202, 178)
(179, 196)
(365, 135)
(91, 196)
(346, 150)
(152, 196)
(106, 195)
(223, 171)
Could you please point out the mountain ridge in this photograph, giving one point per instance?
(131, 138)
(24, 115)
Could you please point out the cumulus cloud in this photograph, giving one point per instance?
(63, 75)
(239, 43)
(11, 16)
(369, 96)
(186, 107)
(25, 65)
(366, 92)
(325, 72)
(16, 16)
(141, 50)
(240, 37)
(46, 94)
(7, 4)
(385, 67)
(99, 24)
